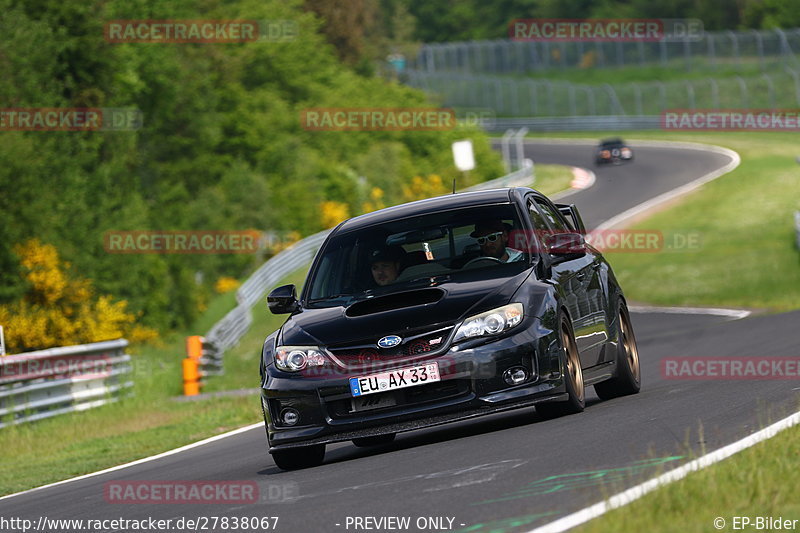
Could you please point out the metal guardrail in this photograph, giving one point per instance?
(227, 332)
(45, 383)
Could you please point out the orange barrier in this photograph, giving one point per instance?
(194, 347)
(191, 377)
(191, 366)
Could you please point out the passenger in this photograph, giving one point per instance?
(492, 237)
(385, 264)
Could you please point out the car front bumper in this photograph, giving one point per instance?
(472, 385)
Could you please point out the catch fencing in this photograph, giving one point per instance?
(763, 49)
(526, 97)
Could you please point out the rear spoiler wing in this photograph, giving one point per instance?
(570, 212)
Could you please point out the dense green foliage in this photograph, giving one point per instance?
(222, 147)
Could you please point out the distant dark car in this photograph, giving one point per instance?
(613, 151)
(456, 335)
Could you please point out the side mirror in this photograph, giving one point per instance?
(566, 246)
(283, 300)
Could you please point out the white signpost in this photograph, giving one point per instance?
(463, 157)
(2, 342)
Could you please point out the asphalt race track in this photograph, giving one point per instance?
(508, 472)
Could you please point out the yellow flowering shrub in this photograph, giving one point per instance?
(375, 200)
(331, 213)
(421, 188)
(59, 310)
(226, 284)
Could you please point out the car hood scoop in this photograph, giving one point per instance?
(394, 301)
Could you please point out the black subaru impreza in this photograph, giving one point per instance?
(441, 310)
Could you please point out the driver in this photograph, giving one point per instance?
(385, 264)
(492, 237)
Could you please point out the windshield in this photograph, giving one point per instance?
(426, 250)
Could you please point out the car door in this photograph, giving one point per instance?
(583, 290)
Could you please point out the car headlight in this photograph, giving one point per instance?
(491, 322)
(296, 358)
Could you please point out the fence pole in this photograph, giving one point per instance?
(771, 87)
(759, 48)
(743, 89)
(714, 92)
(690, 94)
(735, 46)
(793, 74)
(712, 55)
(637, 92)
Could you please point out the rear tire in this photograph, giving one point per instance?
(297, 458)
(377, 440)
(573, 377)
(628, 379)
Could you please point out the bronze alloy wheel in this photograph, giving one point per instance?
(573, 377)
(628, 374)
(629, 343)
(572, 362)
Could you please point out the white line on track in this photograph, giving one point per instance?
(143, 460)
(634, 493)
(733, 314)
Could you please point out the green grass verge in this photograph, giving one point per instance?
(551, 179)
(746, 256)
(756, 482)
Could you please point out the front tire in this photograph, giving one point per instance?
(628, 379)
(573, 376)
(297, 458)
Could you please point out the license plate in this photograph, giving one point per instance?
(395, 379)
(376, 401)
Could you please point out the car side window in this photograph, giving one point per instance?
(537, 220)
(552, 215)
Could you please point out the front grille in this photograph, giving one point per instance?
(410, 396)
(368, 353)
